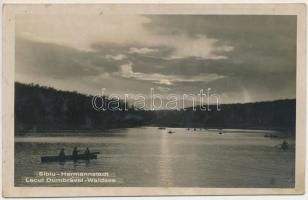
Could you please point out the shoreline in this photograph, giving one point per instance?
(115, 131)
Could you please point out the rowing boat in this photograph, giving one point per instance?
(89, 156)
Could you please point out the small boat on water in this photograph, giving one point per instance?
(170, 132)
(162, 128)
(220, 132)
(285, 146)
(270, 135)
(90, 156)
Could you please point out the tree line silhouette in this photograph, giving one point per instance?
(39, 108)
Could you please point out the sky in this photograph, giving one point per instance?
(241, 58)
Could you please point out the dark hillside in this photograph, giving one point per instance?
(46, 109)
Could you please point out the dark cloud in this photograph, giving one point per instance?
(59, 61)
(260, 35)
(255, 59)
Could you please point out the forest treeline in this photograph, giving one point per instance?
(40, 108)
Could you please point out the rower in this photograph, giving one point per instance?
(75, 153)
(87, 151)
(62, 154)
(284, 145)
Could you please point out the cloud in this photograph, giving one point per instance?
(133, 50)
(126, 71)
(200, 47)
(231, 54)
(163, 89)
(162, 81)
(116, 57)
(81, 32)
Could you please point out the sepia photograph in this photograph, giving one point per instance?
(155, 97)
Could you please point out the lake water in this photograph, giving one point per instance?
(151, 157)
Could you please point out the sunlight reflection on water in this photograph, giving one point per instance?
(151, 157)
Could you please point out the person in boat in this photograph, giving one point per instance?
(62, 154)
(75, 153)
(284, 145)
(87, 151)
